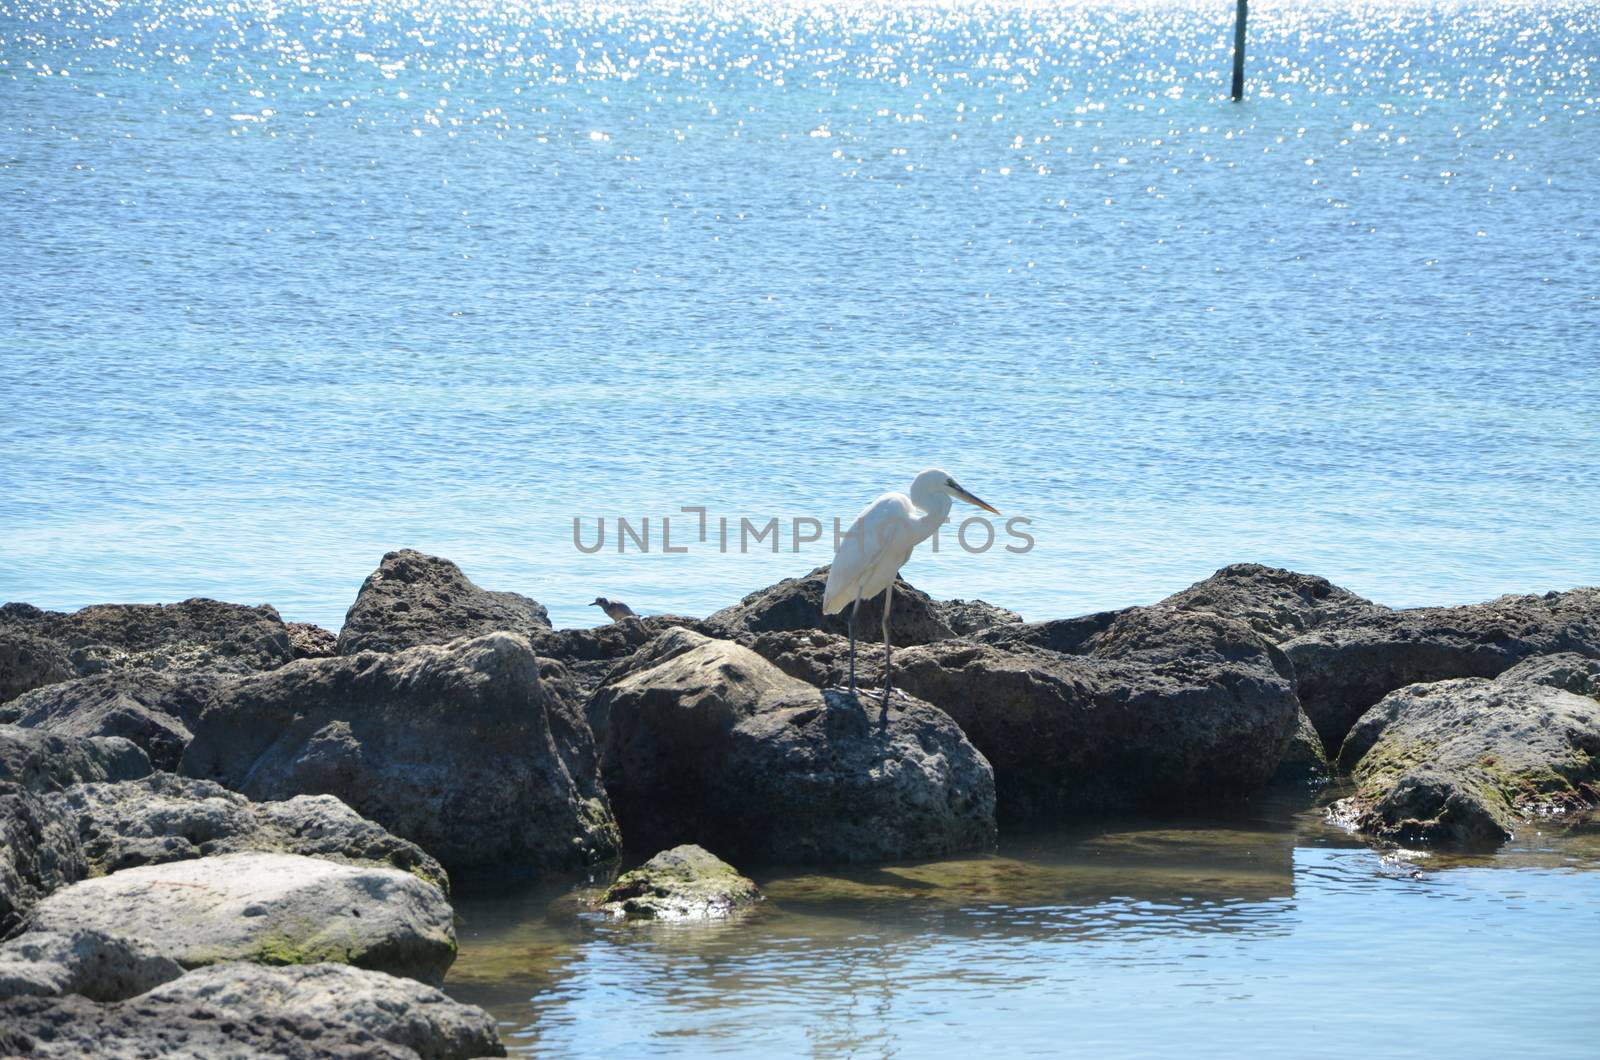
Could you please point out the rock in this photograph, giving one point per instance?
(99, 965)
(39, 852)
(685, 883)
(459, 748)
(709, 742)
(400, 1011)
(1144, 709)
(1303, 761)
(817, 658)
(972, 616)
(1465, 761)
(796, 603)
(40, 647)
(269, 908)
(72, 1027)
(152, 708)
(1278, 604)
(590, 654)
(164, 818)
(1344, 667)
(43, 761)
(307, 641)
(413, 599)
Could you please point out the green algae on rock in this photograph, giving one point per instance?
(685, 883)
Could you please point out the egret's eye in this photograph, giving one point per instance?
(951, 483)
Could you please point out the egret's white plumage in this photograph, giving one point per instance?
(877, 545)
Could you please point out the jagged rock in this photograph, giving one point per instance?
(796, 603)
(1464, 761)
(459, 748)
(307, 641)
(1344, 667)
(270, 908)
(164, 818)
(1278, 604)
(390, 1009)
(43, 761)
(685, 883)
(590, 654)
(152, 708)
(709, 742)
(39, 852)
(1144, 709)
(41, 647)
(966, 617)
(413, 599)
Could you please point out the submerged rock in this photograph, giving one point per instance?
(1465, 761)
(39, 852)
(41, 647)
(1278, 604)
(796, 603)
(413, 599)
(459, 748)
(709, 742)
(685, 883)
(235, 1011)
(44, 761)
(152, 708)
(1344, 667)
(269, 908)
(164, 818)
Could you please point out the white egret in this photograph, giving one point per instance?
(878, 544)
(615, 610)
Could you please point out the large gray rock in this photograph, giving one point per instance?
(400, 1011)
(39, 852)
(708, 742)
(98, 964)
(414, 599)
(1303, 761)
(1465, 761)
(1278, 604)
(685, 883)
(250, 1011)
(41, 647)
(1342, 668)
(152, 708)
(458, 748)
(44, 761)
(1144, 709)
(590, 654)
(164, 818)
(269, 908)
(796, 603)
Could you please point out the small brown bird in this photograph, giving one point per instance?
(615, 610)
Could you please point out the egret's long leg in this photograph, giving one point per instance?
(888, 601)
(853, 609)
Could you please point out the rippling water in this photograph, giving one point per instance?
(288, 286)
(1266, 935)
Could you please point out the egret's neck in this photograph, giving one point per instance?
(935, 506)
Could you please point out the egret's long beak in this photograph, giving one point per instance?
(970, 499)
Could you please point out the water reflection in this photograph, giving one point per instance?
(1163, 922)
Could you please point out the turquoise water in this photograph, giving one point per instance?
(1262, 934)
(288, 286)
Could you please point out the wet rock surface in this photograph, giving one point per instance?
(38, 648)
(268, 908)
(708, 742)
(164, 818)
(1466, 761)
(414, 599)
(1344, 667)
(458, 748)
(685, 883)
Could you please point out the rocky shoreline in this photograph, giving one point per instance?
(225, 835)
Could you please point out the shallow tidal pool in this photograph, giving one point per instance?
(1259, 932)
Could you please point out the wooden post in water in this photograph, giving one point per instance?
(1238, 50)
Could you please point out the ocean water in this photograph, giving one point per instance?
(288, 285)
(1264, 933)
